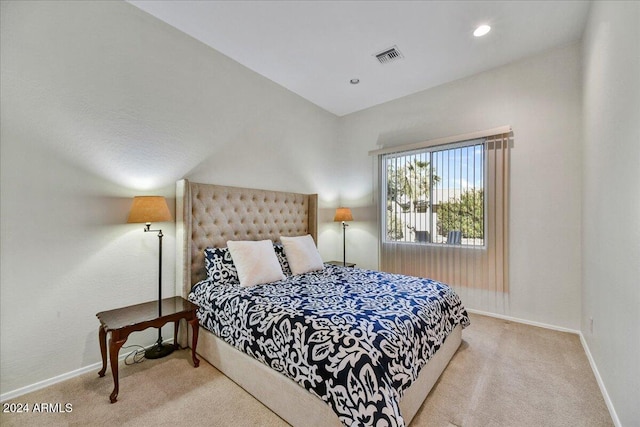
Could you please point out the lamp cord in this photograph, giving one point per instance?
(136, 356)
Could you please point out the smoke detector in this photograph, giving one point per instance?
(389, 55)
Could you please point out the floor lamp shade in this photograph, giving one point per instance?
(343, 215)
(149, 209)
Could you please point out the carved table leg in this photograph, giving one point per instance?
(114, 349)
(194, 341)
(176, 325)
(102, 337)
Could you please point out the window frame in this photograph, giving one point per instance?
(431, 149)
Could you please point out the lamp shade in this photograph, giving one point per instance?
(149, 209)
(343, 214)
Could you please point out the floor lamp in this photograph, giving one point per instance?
(150, 209)
(343, 215)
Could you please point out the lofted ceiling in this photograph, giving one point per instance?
(314, 48)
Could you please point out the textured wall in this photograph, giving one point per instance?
(611, 207)
(101, 102)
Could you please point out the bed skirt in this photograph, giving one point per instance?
(296, 405)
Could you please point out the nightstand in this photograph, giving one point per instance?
(341, 264)
(122, 321)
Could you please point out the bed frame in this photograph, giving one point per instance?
(209, 215)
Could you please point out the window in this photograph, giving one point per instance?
(435, 195)
(444, 209)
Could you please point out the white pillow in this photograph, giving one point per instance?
(302, 254)
(256, 262)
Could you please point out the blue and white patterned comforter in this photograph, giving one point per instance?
(355, 338)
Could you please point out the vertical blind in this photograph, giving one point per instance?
(445, 212)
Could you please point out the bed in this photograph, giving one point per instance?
(354, 374)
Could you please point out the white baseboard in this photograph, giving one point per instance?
(603, 389)
(594, 368)
(42, 384)
(523, 321)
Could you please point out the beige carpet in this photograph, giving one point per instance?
(504, 374)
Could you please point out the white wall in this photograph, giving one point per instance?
(101, 102)
(611, 201)
(540, 98)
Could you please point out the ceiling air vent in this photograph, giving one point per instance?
(389, 55)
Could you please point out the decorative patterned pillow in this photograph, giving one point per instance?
(220, 267)
(282, 258)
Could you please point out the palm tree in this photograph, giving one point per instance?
(409, 183)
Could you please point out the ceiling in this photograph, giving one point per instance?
(314, 48)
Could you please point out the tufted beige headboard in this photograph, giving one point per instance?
(209, 215)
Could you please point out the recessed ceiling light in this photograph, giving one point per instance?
(481, 30)
(354, 81)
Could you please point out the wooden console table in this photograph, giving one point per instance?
(122, 321)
